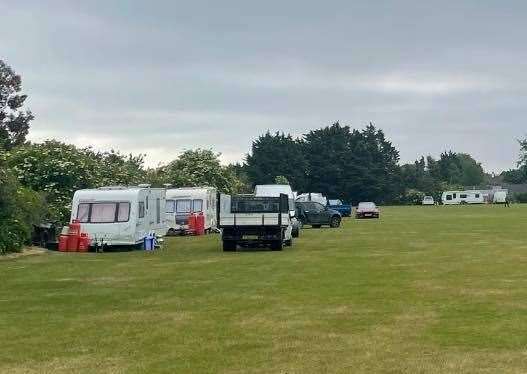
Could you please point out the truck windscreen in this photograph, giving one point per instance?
(251, 204)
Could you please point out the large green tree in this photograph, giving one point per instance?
(353, 165)
(14, 121)
(274, 155)
(199, 167)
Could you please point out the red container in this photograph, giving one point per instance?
(63, 243)
(73, 243)
(200, 224)
(84, 243)
(74, 228)
(192, 223)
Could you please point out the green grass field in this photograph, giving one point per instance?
(423, 290)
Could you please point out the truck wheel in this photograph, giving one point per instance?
(295, 233)
(335, 222)
(277, 245)
(229, 246)
(289, 243)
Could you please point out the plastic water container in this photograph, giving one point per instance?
(149, 242)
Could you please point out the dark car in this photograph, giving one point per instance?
(316, 214)
(367, 210)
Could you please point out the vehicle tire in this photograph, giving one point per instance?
(316, 226)
(229, 246)
(171, 232)
(289, 243)
(334, 222)
(295, 233)
(277, 245)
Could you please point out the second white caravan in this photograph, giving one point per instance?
(182, 202)
(462, 197)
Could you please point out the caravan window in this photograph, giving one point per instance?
(455, 196)
(141, 209)
(183, 206)
(170, 206)
(449, 197)
(198, 206)
(124, 212)
(477, 196)
(83, 212)
(103, 213)
(463, 196)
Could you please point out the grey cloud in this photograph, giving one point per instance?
(160, 77)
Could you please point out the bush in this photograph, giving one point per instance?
(20, 208)
(520, 197)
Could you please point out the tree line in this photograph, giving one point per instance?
(37, 181)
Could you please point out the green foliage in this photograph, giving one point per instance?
(14, 122)
(200, 167)
(58, 170)
(20, 208)
(352, 165)
(277, 154)
(413, 197)
(515, 176)
(280, 179)
(520, 197)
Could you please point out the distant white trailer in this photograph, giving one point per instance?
(462, 197)
(181, 202)
(120, 215)
(499, 197)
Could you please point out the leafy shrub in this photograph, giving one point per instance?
(20, 208)
(520, 197)
(57, 170)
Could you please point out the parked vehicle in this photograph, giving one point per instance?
(182, 202)
(113, 216)
(316, 214)
(428, 200)
(367, 210)
(263, 190)
(339, 206)
(249, 220)
(499, 197)
(462, 197)
(313, 196)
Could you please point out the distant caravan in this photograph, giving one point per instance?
(182, 202)
(462, 197)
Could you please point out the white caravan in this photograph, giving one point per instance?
(181, 202)
(114, 216)
(275, 190)
(499, 197)
(462, 197)
(313, 196)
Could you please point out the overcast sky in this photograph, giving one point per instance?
(163, 76)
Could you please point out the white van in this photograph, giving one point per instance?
(428, 200)
(499, 197)
(462, 197)
(181, 202)
(118, 215)
(313, 196)
(275, 190)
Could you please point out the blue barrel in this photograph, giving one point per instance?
(149, 242)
